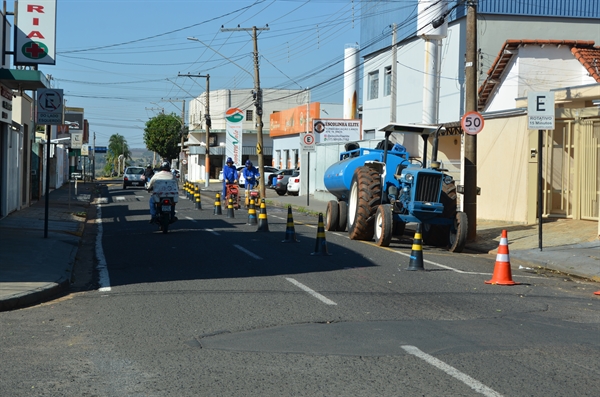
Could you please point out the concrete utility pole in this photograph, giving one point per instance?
(208, 124)
(470, 160)
(257, 103)
(393, 76)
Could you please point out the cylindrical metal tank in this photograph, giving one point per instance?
(338, 177)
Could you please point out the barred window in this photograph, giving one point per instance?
(373, 85)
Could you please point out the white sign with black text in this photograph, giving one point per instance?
(540, 110)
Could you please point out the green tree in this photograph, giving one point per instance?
(163, 135)
(117, 146)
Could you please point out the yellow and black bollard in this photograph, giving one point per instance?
(230, 211)
(263, 223)
(252, 213)
(416, 255)
(320, 243)
(290, 231)
(218, 210)
(197, 203)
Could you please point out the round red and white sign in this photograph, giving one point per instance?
(309, 139)
(472, 123)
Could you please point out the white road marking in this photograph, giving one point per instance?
(104, 279)
(466, 379)
(213, 232)
(120, 198)
(191, 219)
(312, 292)
(459, 271)
(244, 250)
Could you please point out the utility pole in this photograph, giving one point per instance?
(470, 159)
(208, 124)
(257, 103)
(393, 76)
(182, 137)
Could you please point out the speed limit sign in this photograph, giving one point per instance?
(472, 123)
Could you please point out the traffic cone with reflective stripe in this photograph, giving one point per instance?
(252, 213)
(502, 274)
(321, 243)
(263, 223)
(416, 255)
(218, 210)
(597, 293)
(230, 211)
(290, 231)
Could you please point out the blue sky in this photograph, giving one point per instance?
(120, 60)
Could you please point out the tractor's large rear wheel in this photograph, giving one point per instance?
(365, 196)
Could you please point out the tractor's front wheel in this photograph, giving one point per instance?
(384, 225)
(458, 232)
(365, 196)
(332, 217)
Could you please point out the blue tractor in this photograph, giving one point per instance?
(380, 190)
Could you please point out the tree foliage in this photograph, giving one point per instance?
(117, 145)
(163, 135)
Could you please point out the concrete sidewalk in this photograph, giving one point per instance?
(34, 269)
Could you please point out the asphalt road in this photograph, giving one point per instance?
(215, 308)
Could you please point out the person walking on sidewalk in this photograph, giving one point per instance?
(229, 176)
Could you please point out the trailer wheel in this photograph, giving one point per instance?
(332, 216)
(458, 232)
(343, 209)
(384, 225)
(365, 196)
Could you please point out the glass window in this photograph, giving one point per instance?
(373, 85)
(387, 81)
(249, 115)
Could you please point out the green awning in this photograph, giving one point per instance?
(27, 80)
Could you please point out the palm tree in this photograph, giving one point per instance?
(117, 146)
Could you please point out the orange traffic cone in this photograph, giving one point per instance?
(416, 255)
(218, 210)
(502, 274)
(321, 243)
(290, 231)
(597, 293)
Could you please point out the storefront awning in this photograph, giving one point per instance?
(26, 80)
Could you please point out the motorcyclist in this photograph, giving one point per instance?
(251, 176)
(148, 173)
(229, 176)
(164, 174)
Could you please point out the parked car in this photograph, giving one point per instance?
(293, 186)
(133, 177)
(269, 171)
(282, 180)
(239, 170)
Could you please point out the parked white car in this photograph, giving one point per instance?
(293, 186)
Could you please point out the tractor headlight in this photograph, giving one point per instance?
(409, 178)
(447, 179)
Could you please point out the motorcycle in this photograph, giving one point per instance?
(165, 195)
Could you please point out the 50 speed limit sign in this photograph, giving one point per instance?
(472, 123)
